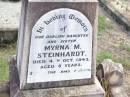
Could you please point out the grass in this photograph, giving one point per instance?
(105, 84)
(125, 46)
(125, 62)
(4, 70)
(101, 55)
(109, 25)
(104, 24)
(6, 50)
(101, 25)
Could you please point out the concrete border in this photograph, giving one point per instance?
(94, 90)
(9, 20)
(116, 15)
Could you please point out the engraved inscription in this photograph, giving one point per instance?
(61, 47)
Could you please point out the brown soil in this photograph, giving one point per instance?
(112, 38)
(110, 41)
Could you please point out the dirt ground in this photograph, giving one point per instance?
(110, 41)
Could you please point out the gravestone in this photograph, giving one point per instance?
(57, 49)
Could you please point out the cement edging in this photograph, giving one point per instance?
(118, 17)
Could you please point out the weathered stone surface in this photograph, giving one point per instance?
(116, 15)
(118, 92)
(63, 0)
(113, 72)
(4, 95)
(9, 20)
(9, 15)
(31, 12)
(94, 90)
(4, 87)
(4, 90)
(78, 91)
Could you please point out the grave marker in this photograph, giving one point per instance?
(57, 48)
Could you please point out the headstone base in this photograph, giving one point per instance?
(94, 90)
